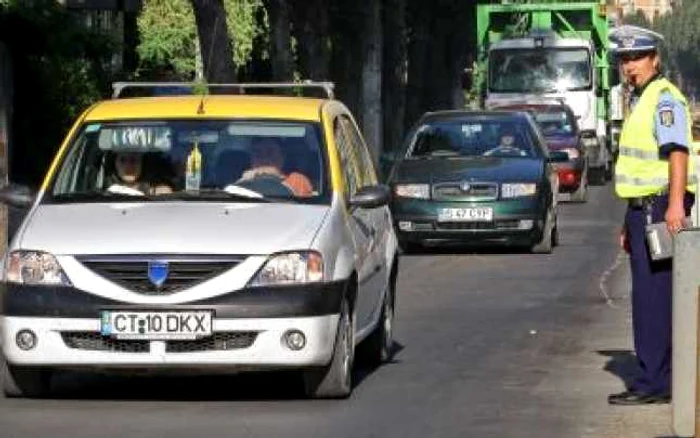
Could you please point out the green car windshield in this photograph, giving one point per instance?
(478, 137)
(266, 161)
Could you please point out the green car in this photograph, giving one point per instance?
(476, 178)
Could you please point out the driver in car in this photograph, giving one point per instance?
(267, 161)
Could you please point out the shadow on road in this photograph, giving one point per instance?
(248, 386)
(621, 363)
(454, 249)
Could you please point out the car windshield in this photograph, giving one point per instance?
(539, 70)
(471, 137)
(554, 123)
(149, 160)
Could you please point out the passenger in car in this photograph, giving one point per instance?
(128, 173)
(267, 159)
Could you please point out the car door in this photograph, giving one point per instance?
(376, 221)
(360, 220)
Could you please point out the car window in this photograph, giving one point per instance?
(554, 122)
(278, 160)
(476, 136)
(368, 174)
(349, 160)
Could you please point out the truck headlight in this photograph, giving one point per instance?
(517, 190)
(290, 268)
(34, 268)
(417, 191)
(589, 141)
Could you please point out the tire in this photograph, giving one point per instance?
(581, 195)
(27, 382)
(335, 379)
(549, 236)
(378, 347)
(410, 247)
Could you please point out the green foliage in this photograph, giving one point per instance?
(168, 33)
(60, 67)
(242, 25)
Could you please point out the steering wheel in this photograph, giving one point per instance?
(506, 150)
(267, 185)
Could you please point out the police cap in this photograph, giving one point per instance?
(628, 38)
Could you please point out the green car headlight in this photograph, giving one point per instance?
(518, 190)
(417, 191)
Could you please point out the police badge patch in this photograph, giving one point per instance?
(666, 117)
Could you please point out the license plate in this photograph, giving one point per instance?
(180, 325)
(474, 214)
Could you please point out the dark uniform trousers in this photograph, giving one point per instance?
(651, 300)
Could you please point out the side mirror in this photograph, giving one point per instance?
(371, 197)
(16, 195)
(558, 157)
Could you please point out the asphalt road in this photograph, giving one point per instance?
(482, 340)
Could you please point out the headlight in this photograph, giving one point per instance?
(516, 190)
(290, 268)
(419, 191)
(34, 267)
(573, 153)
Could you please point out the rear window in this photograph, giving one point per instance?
(472, 137)
(554, 122)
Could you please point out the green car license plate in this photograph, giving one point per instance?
(471, 214)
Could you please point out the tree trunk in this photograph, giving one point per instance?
(394, 73)
(346, 56)
(215, 43)
(419, 16)
(372, 77)
(280, 41)
(310, 19)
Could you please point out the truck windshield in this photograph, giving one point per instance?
(539, 70)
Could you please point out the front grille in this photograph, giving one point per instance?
(217, 342)
(466, 190)
(96, 342)
(132, 272)
(475, 226)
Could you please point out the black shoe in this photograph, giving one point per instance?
(637, 398)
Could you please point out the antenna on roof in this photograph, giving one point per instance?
(189, 88)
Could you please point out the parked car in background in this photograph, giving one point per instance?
(560, 129)
(185, 233)
(476, 178)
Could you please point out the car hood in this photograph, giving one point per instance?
(435, 170)
(559, 142)
(178, 227)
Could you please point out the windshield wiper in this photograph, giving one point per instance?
(212, 194)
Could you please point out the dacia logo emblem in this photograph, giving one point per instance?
(465, 186)
(158, 271)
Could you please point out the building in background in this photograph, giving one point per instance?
(650, 8)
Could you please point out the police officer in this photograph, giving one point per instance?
(654, 175)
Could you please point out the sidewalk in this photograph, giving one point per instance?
(606, 362)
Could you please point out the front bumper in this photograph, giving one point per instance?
(248, 328)
(515, 223)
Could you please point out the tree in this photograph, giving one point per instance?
(214, 40)
(280, 40)
(394, 72)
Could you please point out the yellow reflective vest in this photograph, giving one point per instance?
(639, 170)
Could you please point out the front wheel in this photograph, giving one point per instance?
(378, 347)
(550, 236)
(335, 379)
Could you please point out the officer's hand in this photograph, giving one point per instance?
(623, 241)
(675, 218)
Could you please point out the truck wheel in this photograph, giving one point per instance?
(28, 382)
(335, 379)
